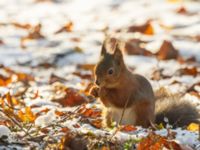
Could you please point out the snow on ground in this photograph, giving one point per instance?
(82, 46)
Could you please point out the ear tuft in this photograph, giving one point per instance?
(117, 53)
(103, 49)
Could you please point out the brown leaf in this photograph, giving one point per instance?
(44, 130)
(189, 71)
(97, 123)
(145, 28)
(167, 51)
(128, 128)
(191, 59)
(67, 28)
(54, 78)
(183, 11)
(90, 112)
(158, 75)
(41, 112)
(65, 129)
(34, 33)
(76, 125)
(59, 113)
(4, 81)
(22, 26)
(72, 98)
(133, 47)
(157, 142)
(86, 66)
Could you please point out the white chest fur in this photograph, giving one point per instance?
(129, 116)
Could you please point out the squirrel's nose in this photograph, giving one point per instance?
(97, 82)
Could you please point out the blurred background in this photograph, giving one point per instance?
(42, 37)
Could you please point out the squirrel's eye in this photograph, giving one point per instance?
(110, 71)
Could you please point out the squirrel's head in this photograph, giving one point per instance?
(109, 68)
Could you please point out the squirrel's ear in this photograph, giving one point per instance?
(117, 53)
(103, 49)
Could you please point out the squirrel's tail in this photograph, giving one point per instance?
(179, 112)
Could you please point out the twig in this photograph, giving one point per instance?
(15, 122)
(122, 115)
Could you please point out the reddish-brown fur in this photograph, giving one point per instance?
(122, 86)
(127, 87)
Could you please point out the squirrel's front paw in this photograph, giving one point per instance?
(94, 91)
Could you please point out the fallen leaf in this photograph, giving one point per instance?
(59, 113)
(128, 128)
(193, 127)
(72, 98)
(65, 129)
(68, 27)
(145, 28)
(97, 123)
(34, 33)
(167, 51)
(157, 142)
(76, 125)
(44, 130)
(54, 78)
(22, 26)
(105, 148)
(90, 112)
(183, 11)
(192, 71)
(133, 47)
(26, 116)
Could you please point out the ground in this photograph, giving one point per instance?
(48, 49)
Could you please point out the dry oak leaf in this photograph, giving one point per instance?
(183, 11)
(14, 76)
(133, 47)
(128, 128)
(54, 78)
(167, 51)
(90, 112)
(4, 81)
(22, 26)
(68, 27)
(145, 28)
(157, 142)
(72, 98)
(34, 33)
(193, 71)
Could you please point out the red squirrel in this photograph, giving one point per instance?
(120, 90)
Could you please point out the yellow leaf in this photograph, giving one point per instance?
(26, 116)
(193, 127)
(160, 126)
